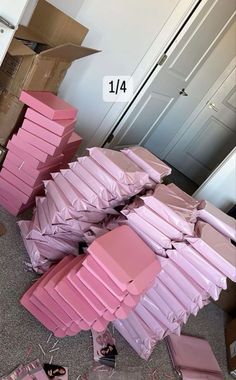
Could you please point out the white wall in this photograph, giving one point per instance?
(220, 186)
(124, 31)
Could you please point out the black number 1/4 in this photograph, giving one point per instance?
(120, 86)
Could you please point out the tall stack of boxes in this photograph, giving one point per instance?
(45, 142)
(38, 59)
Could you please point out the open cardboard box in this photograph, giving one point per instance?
(59, 38)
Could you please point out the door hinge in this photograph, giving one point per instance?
(110, 138)
(162, 59)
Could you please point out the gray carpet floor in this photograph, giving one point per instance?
(20, 333)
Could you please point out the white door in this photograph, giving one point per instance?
(11, 12)
(210, 136)
(197, 60)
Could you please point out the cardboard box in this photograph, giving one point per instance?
(230, 339)
(227, 299)
(59, 37)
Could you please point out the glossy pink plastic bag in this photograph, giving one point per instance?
(152, 165)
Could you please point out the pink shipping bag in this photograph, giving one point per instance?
(48, 105)
(186, 197)
(216, 248)
(147, 228)
(119, 166)
(62, 204)
(193, 354)
(59, 127)
(200, 263)
(217, 219)
(172, 209)
(152, 165)
(155, 220)
(196, 275)
(117, 251)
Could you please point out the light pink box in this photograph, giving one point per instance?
(12, 191)
(48, 105)
(7, 204)
(30, 149)
(20, 157)
(19, 184)
(37, 142)
(59, 127)
(74, 141)
(58, 141)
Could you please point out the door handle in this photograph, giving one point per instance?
(6, 23)
(213, 107)
(182, 92)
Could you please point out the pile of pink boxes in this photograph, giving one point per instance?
(45, 142)
(82, 292)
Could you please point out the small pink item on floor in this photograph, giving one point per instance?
(147, 228)
(91, 181)
(195, 274)
(59, 127)
(58, 141)
(119, 166)
(126, 258)
(155, 220)
(193, 354)
(186, 197)
(216, 248)
(152, 165)
(172, 209)
(217, 219)
(196, 259)
(48, 104)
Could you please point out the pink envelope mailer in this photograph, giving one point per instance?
(193, 353)
(151, 322)
(156, 235)
(59, 127)
(91, 181)
(44, 134)
(119, 166)
(117, 190)
(89, 195)
(200, 263)
(172, 273)
(39, 220)
(188, 374)
(155, 220)
(217, 219)
(63, 205)
(157, 248)
(154, 296)
(186, 197)
(196, 275)
(48, 104)
(117, 251)
(216, 248)
(171, 208)
(152, 165)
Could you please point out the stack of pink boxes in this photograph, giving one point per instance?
(45, 142)
(83, 292)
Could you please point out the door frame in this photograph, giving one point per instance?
(200, 107)
(117, 114)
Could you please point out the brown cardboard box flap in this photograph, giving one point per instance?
(25, 33)
(55, 27)
(17, 48)
(230, 338)
(68, 52)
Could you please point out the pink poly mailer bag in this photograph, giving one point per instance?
(193, 353)
(155, 220)
(147, 228)
(88, 194)
(151, 321)
(152, 165)
(196, 259)
(119, 166)
(117, 251)
(197, 375)
(171, 208)
(62, 204)
(157, 248)
(186, 197)
(196, 275)
(216, 248)
(155, 297)
(217, 219)
(91, 181)
(138, 328)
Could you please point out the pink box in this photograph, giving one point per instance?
(44, 134)
(37, 142)
(6, 202)
(74, 141)
(59, 127)
(20, 157)
(48, 105)
(13, 193)
(30, 149)
(19, 184)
